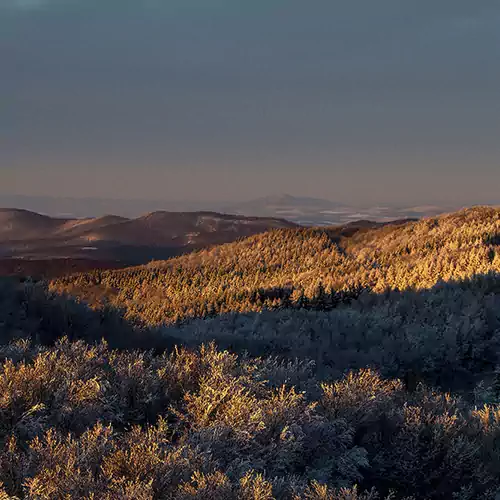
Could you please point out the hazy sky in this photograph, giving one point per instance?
(385, 100)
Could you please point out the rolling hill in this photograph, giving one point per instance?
(292, 264)
(28, 235)
(22, 224)
(178, 229)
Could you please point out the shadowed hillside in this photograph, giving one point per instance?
(302, 413)
(53, 268)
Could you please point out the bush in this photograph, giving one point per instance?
(80, 420)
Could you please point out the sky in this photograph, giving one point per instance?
(360, 101)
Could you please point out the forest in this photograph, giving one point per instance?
(295, 364)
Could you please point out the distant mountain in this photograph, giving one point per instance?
(183, 229)
(21, 224)
(94, 207)
(157, 235)
(299, 209)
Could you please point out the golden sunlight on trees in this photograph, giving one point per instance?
(292, 365)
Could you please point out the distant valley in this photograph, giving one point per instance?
(319, 212)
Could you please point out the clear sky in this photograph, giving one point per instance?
(353, 100)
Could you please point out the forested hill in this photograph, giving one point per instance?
(311, 268)
(341, 364)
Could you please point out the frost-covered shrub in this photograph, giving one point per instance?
(84, 421)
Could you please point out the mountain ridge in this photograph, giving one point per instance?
(300, 209)
(30, 235)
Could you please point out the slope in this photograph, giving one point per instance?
(28, 235)
(296, 266)
(16, 224)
